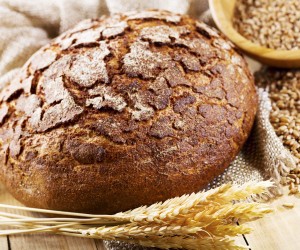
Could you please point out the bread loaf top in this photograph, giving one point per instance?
(137, 107)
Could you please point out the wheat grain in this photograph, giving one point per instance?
(271, 23)
(288, 205)
(284, 92)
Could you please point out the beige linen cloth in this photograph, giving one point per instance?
(25, 26)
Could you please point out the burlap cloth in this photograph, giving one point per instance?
(25, 26)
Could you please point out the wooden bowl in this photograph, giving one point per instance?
(222, 12)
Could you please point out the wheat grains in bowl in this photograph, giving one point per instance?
(284, 92)
(274, 24)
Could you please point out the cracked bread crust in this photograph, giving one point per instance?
(124, 111)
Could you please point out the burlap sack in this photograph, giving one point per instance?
(25, 26)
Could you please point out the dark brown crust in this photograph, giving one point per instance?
(117, 113)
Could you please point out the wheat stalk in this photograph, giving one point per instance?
(204, 220)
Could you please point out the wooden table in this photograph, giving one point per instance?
(277, 231)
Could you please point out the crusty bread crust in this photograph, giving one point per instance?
(124, 111)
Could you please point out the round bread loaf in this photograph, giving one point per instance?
(124, 111)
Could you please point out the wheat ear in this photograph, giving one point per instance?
(204, 220)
